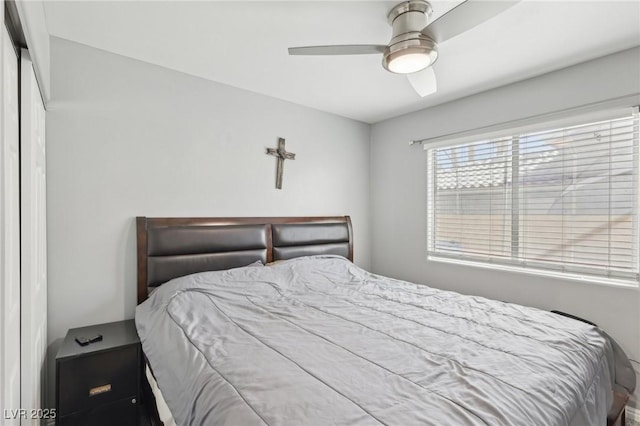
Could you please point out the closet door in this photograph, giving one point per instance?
(9, 232)
(33, 241)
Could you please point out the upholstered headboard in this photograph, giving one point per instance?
(172, 247)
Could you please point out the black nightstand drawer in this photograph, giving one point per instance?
(87, 382)
(120, 413)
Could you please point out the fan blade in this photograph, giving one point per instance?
(347, 49)
(424, 82)
(465, 16)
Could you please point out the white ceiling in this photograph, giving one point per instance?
(244, 44)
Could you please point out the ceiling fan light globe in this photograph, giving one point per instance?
(409, 56)
(409, 63)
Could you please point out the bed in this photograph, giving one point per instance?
(267, 321)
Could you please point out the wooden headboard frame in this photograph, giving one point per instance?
(169, 246)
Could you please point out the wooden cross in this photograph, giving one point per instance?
(282, 155)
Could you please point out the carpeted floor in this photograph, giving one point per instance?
(633, 421)
(630, 422)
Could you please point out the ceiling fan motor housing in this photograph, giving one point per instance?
(407, 20)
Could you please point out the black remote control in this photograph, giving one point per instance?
(84, 341)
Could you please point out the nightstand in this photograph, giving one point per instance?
(99, 384)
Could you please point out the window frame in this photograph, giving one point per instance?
(515, 264)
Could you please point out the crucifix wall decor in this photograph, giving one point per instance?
(282, 155)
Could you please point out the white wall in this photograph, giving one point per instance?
(126, 138)
(398, 188)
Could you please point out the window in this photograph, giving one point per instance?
(562, 200)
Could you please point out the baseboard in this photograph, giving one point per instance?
(633, 414)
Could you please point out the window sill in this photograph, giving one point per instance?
(566, 276)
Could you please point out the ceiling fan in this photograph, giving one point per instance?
(414, 42)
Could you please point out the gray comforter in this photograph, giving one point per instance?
(319, 341)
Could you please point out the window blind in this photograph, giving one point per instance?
(564, 200)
